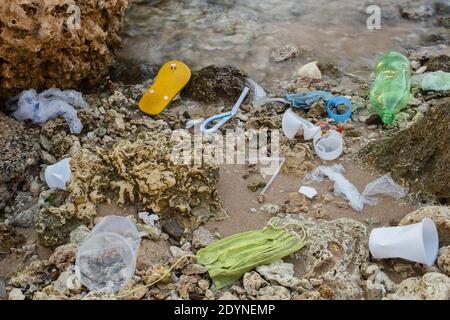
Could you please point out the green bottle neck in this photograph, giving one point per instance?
(387, 117)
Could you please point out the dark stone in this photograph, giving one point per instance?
(216, 82)
(374, 118)
(132, 72)
(18, 156)
(9, 238)
(173, 229)
(2, 289)
(418, 155)
(439, 63)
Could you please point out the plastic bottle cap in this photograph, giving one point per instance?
(336, 101)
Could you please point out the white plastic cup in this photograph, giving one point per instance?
(330, 146)
(292, 124)
(58, 174)
(105, 262)
(416, 242)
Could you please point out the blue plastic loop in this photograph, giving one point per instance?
(336, 101)
(223, 117)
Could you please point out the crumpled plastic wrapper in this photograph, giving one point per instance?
(40, 47)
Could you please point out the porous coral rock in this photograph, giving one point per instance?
(36, 273)
(214, 82)
(54, 224)
(64, 256)
(299, 160)
(417, 155)
(280, 272)
(143, 170)
(252, 282)
(334, 252)
(440, 216)
(42, 45)
(432, 286)
(444, 260)
(9, 238)
(274, 293)
(19, 154)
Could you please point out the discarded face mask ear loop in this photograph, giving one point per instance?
(277, 224)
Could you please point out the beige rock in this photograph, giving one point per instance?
(202, 237)
(432, 286)
(281, 273)
(57, 51)
(16, 294)
(335, 251)
(310, 71)
(228, 296)
(253, 282)
(274, 293)
(378, 285)
(443, 261)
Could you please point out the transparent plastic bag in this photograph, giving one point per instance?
(342, 187)
(345, 189)
(383, 185)
(260, 97)
(47, 105)
(106, 260)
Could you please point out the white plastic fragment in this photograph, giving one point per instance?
(193, 123)
(292, 124)
(47, 105)
(58, 174)
(275, 175)
(260, 97)
(342, 187)
(416, 242)
(149, 218)
(308, 191)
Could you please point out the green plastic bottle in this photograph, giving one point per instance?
(391, 90)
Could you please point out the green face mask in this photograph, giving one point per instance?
(228, 259)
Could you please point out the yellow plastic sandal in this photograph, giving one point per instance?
(171, 78)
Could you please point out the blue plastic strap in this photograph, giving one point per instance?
(336, 101)
(223, 117)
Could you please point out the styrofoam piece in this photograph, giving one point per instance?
(57, 175)
(329, 146)
(292, 124)
(416, 242)
(308, 191)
